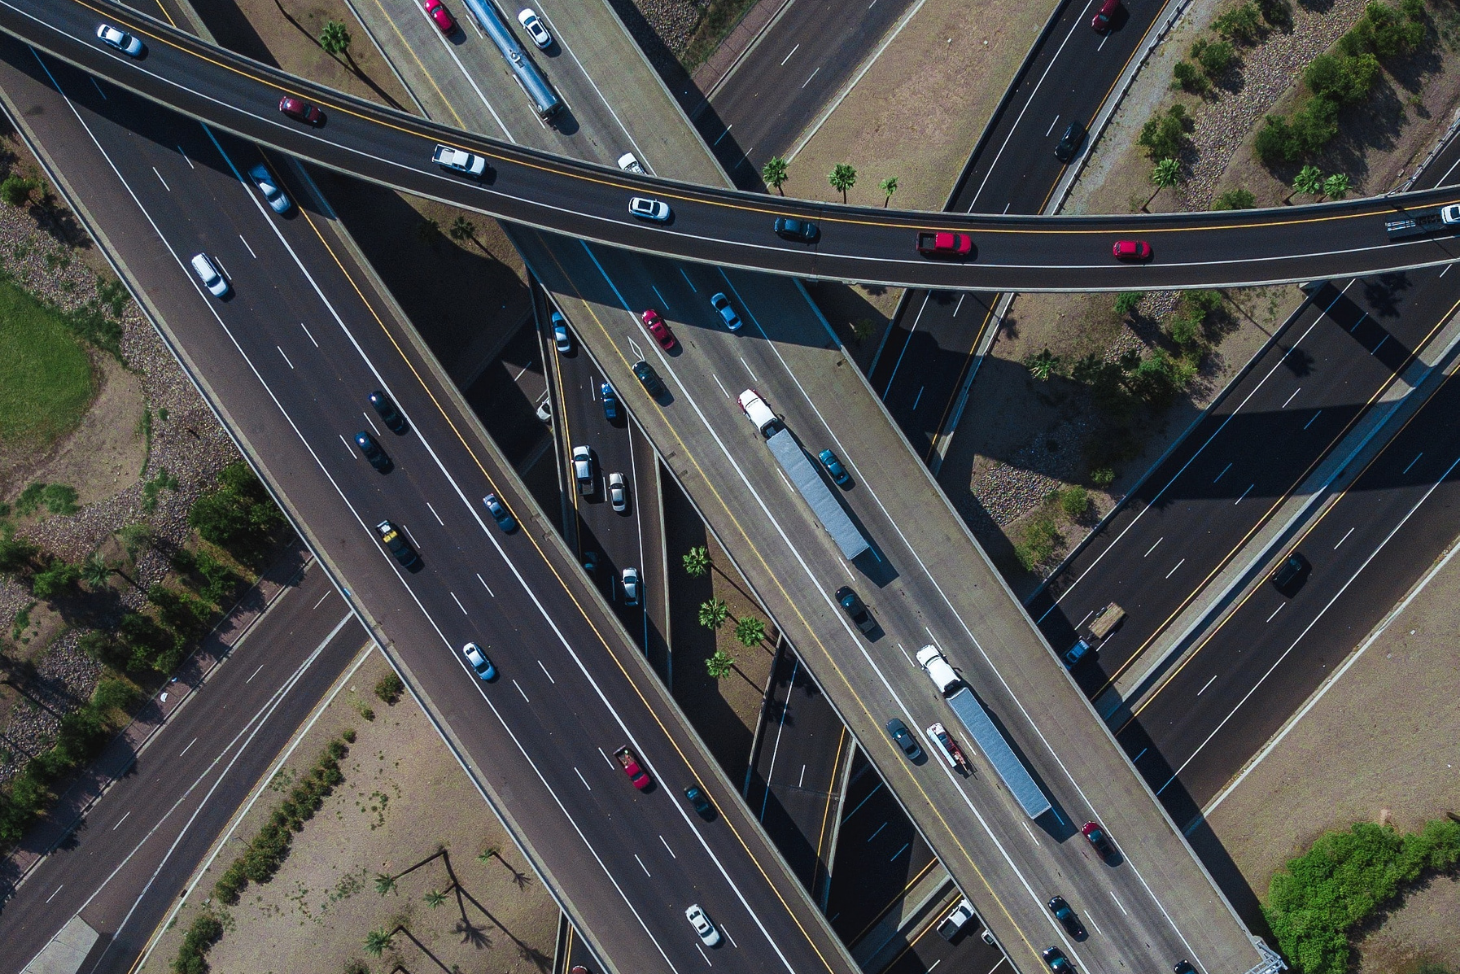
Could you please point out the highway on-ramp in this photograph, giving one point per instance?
(722, 226)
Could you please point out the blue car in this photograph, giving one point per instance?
(610, 402)
(372, 451)
(834, 467)
(499, 513)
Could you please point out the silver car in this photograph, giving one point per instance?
(631, 586)
(119, 39)
(208, 273)
(583, 469)
(618, 494)
(727, 314)
(267, 185)
(709, 936)
(649, 209)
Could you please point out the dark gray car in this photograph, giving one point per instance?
(1070, 142)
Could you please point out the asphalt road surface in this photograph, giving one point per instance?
(924, 361)
(721, 226)
(288, 359)
(802, 60)
(135, 850)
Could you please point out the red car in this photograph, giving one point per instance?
(658, 329)
(1131, 250)
(300, 110)
(438, 13)
(1103, 16)
(1098, 839)
(630, 763)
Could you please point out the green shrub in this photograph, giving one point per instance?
(16, 554)
(389, 688)
(1185, 329)
(1215, 58)
(239, 516)
(1343, 880)
(1038, 541)
(1189, 78)
(1235, 199)
(1241, 24)
(1340, 77)
(54, 579)
(1075, 501)
(1164, 136)
(1102, 477)
(1127, 302)
(193, 952)
(1385, 31)
(112, 694)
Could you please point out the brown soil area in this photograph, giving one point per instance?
(403, 799)
(723, 712)
(956, 55)
(1379, 746)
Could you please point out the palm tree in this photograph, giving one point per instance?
(488, 853)
(96, 572)
(773, 173)
(713, 613)
(720, 665)
(888, 186)
(378, 942)
(435, 898)
(334, 40)
(428, 230)
(843, 177)
(384, 884)
(697, 561)
(1309, 180)
(1165, 174)
(750, 631)
(462, 229)
(1336, 187)
(1042, 366)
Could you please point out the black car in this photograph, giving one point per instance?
(1066, 917)
(1069, 143)
(1289, 572)
(395, 539)
(372, 451)
(391, 416)
(1056, 961)
(899, 733)
(700, 802)
(801, 231)
(499, 513)
(855, 610)
(650, 380)
(1183, 967)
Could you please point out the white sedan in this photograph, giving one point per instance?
(533, 25)
(631, 586)
(697, 919)
(618, 493)
(649, 209)
(267, 185)
(119, 39)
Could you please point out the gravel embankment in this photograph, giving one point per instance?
(190, 444)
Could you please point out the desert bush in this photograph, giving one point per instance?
(1215, 57)
(1242, 25)
(1075, 500)
(1235, 199)
(1164, 135)
(193, 952)
(1189, 77)
(389, 688)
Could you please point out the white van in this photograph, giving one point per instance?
(936, 666)
(760, 414)
(209, 275)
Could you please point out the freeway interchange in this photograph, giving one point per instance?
(722, 226)
(931, 582)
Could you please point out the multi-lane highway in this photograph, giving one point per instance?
(720, 226)
(127, 862)
(287, 360)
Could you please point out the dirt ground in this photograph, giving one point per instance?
(968, 54)
(1380, 745)
(723, 712)
(403, 799)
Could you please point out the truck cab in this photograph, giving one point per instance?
(1101, 626)
(459, 160)
(759, 413)
(935, 664)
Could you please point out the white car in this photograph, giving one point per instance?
(583, 469)
(479, 662)
(937, 668)
(208, 273)
(618, 494)
(629, 162)
(631, 587)
(273, 195)
(649, 209)
(119, 39)
(533, 25)
(727, 314)
(1448, 214)
(562, 340)
(709, 936)
(459, 160)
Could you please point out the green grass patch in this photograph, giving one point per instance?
(46, 380)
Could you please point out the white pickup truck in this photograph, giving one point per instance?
(459, 160)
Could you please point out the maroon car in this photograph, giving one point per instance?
(1103, 16)
(630, 763)
(1098, 839)
(656, 326)
(301, 110)
(1131, 250)
(438, 12)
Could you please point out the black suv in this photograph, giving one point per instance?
(653, 385)
(1287, 575)
(1069, 143)
(855, 610)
